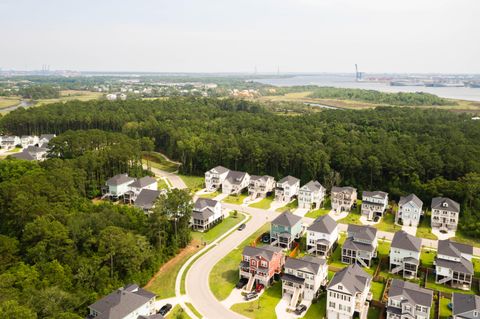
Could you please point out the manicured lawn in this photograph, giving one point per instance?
(377, 290)
(318, 310)
(424, 230)
(476, 267)
(444, 311)
(290, 206)
(162, 184)
(263, 204)
(224, 275)
(387, 223)
(427, 257)
(318, 212)
(264, 307)
(373, 313)
(177, 313)
(352, 218)
(15, 150)
(383, 248)
(336, 257)
(235, 199)
(158, 161)
(432, 285)
(192, 308)
(210, 195)
(217, 230)
(195, 183)
(461, 238)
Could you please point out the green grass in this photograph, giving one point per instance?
(192, 308)
(15, 150)
(427, 257)
(383, 248)
(177, 313)
(264, 307)
(377, 290)
(352, 218)
(217, 230)
(264, 203)
(387, 223)
(318, 212)
(318, 310)
(157, 160)
(444, 311)
(424, 230)
(9, 101)
(373, 313)
(461, 238)
(235, 199)
(290, 206)
(476, 267)
(440, 287)
(195, 183)
(336, 257)
(224, 276)
(210, 195)
(162, 184)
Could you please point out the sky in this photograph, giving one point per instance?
(401, 36)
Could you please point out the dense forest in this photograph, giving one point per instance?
(61, 252)
(399, 150)
(36, 92)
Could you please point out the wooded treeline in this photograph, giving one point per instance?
(36, 92)
(398, 150)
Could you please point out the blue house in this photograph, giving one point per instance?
(285, 229)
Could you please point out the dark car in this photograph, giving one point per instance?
(241, 283)
(300, 309)
(376, 218)
(259, 288)
(165, 309)
(266, 238)
(242, 227)
(251, 295)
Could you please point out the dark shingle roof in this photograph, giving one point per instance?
(306, 264)
(353, 277)
(380, 194)
(220, 169)
(355, 245)
(287, 219)
(323, 224)
(403, 240)
(463, 303)
(26, 156)
(313, 186)
(451, 248)
(267, 252)
(345, 189)
(235, 177)
(410, 292)
(146, 198)
(290, 180)
(452, 206)
(410, 198)
(143, 182)
(362, 232)
(119, 180)
(202, 203)
(464, 265)
(260, 178)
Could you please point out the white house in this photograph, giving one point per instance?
(409, 210)
(445, 213)
(374, 204)
(235, 182)
(405, 254)
(118, 185)
(465, 306)
(215, 177)
(322, 236)
(453, 264)
(28, 140)
(44, 139)
(111, 97)
(206, 214)
(139, 184)
(32, 153)
(408, 300)
(129, 302)
(10, 142)
(361, 244)
(303, 278)
(343, 198)
(348, 293)
(311, 195)
(287, 188)
(260, 186)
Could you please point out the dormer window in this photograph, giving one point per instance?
(445, 204)
(340, 287)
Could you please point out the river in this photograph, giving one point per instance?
(348, 81)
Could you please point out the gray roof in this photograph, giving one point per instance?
(47, 136)
(202, 203)
(463, 303)
(380, 194)
(119, 180)
(121, 302)
(362, 232)
(403, 240)
(411, 293)
(307, 264)
(204, 214)
(290, 180)
(451, 248)
(220, 169)
(261, 178)
(204, 208)
(323, 224)
(235, 177)
(143, 182)
(452, 206)
(293, 278)
(313, 186)
(267, 252)
(287, 219)
(464, 265)
(346, 189)
(24, 155)
(36, 149)
(146, 198)
(353, 277)
(351, 244)
(410, 198)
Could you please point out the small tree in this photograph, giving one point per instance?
(235, 214)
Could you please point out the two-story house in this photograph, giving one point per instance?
(465, 306)
(303, 278)
(10, 142)
(260, 264)
(348, 293)
(311, 195)
(343, 198)
(285, 229)
(117, 186)
(138, 184)
(374, 204)
(129, 302)
(405, 254)
(147, 198)
(206, 214)
(322, 236)
(453, 264)
(260, 186)
(360, 246)
(28, 140)
(445, 213)
(32, 153)
(409, 210)
(408, 300)
(235, 182)
(287, 188)
(44, 139)
(215, 177)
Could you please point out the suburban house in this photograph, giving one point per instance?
(343, 198)
(206, 214)
(32, 153)
(287, 188)
(260, 264)
(453, 264)
(445, 214)
(146, 199)
(405, 254)
(215, 177)
(348, 293)
(465, 306)
(311, 195)
(45, 139)
(146, 182)
(360, 246)
(28, 140)
(374, 204)
(322, 236)
(129, 302)
(235, 182)
(10, 142)
(117, 186)
(409, 210)
(260, 186)
(303, 278)
(285, 229)
(408, 300)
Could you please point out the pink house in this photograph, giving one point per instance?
(260, 264)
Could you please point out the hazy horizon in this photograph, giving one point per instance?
(213, 36)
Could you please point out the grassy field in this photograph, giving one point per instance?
(318, 212)
(177, 313)
(427, 257)
(424, 230)
(377, 290)
(264, 307)
(7, 101)
(217, 230)
(440, 287)
(158, 161)
(445, 312)
(264, 203)
(319, 309)
(210, 195)
(69, 95)
(235, 199)
(387, 223)
(290, 206)
(352, 218)
(224, 275)
(195, 183)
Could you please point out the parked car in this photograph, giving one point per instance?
(242, 227)
(251, 295)
(165, 309)
(376, 218)
(241, 283)
(266, 238)
(300, 309)
(259, 288)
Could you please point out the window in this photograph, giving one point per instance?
(331, 305)
(340, 287)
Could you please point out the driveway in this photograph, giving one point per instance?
(412, 230)
(174, 179)
(443, 236)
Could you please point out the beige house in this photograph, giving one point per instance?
(343, 198)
